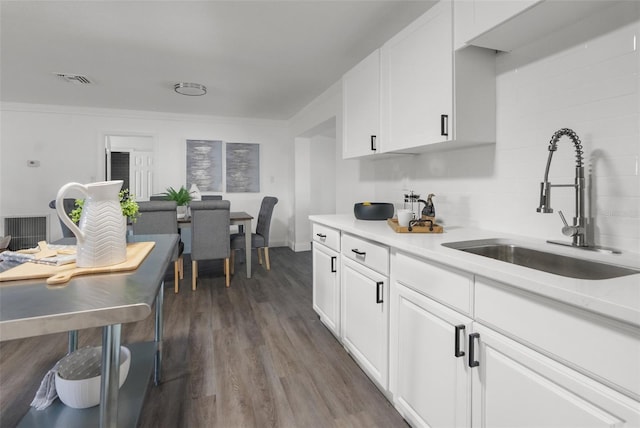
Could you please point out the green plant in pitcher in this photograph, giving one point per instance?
(128, 205)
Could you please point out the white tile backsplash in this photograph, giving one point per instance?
(587, 78)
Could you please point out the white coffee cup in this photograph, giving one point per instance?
(404, 217)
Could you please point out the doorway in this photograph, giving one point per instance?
(120, 168)
(130, 158)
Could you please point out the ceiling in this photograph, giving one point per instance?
(258, 59)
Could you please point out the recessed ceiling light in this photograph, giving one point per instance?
(190, 89)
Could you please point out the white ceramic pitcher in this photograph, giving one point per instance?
(101, 232)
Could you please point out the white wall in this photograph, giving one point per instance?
(314, 184)
(323, 175)
(69, 143)
(301, 229)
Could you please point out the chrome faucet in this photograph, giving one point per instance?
(578, 231)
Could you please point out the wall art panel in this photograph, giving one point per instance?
(204, 165)
(243, 167)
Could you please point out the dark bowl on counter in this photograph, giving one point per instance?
(373, 210)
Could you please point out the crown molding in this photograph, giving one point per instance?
(138, 114)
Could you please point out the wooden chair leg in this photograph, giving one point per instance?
(233, 261)
(176, 275)
(259, 256)
(181, 260)
(226, 270)
(266, 258)
(194, 274)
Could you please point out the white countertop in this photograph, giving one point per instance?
(617, 298)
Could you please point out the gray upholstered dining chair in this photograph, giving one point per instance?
(211, 197)
(69, 205)
(209, 235)
(160, 217)
(260, 239)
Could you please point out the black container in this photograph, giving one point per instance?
(373, 210)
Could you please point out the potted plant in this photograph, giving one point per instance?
(127, 203)
(182, 197)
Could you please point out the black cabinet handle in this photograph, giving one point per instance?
(373, 143)
(472, 350)
(321, 235)
(457, 352)
(379, 290)
(444, 125)
(333, 263)
(358, 252)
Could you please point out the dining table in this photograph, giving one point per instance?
(239, 218)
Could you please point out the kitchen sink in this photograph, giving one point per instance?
(515, 253)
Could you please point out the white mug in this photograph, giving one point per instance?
(404, 217)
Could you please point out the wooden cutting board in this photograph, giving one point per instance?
(415, 229)
(136, 253)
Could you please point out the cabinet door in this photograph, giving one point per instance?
(365, 319)
(417, 82)
(514, 386)
(326, 286)
(361, 108)
(429, 377)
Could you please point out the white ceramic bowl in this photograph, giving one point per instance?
(78, 392)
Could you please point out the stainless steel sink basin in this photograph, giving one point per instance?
(512, 252)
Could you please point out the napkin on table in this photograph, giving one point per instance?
(66, 254)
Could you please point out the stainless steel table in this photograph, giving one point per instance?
(32, 308)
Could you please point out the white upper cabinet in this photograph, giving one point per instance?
(505, 25)
(475, 17)
(429, 94)
(417, 73)
(361, 108)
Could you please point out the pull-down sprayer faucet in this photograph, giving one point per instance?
(579, 229)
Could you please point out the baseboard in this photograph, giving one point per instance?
(302, 246)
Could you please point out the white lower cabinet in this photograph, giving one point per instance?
(430, 378)
(515, 386)
(326, 286)
(365, 318)
(503, 379)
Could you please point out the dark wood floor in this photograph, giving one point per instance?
(252, 355)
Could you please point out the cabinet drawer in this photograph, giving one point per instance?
(370, 254)
(598, 346)
(327, 236)
(446, 285)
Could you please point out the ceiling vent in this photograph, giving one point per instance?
(75, 78)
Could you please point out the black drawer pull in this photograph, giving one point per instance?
(444, 125)
(379, 290)
(321, 235)
(358, 252)
(333, 263)
(457, 352)
(472, 350)
(373, 143)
